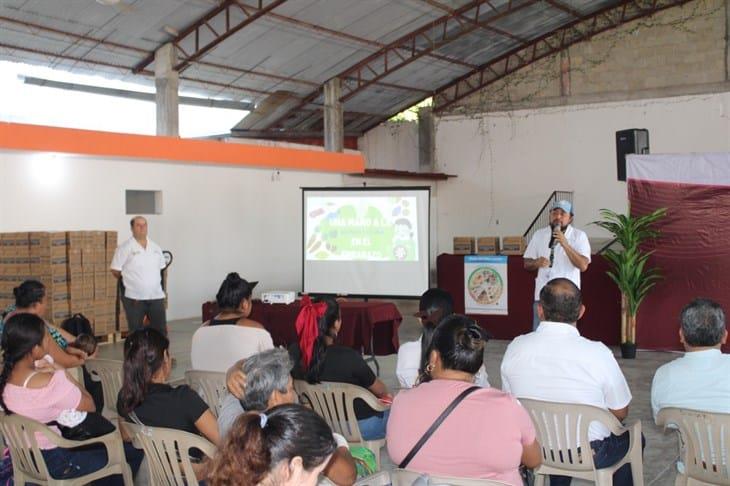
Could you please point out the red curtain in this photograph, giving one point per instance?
(693, 254)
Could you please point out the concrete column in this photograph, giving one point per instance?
(334, 128)
(727, 40)
(565, 72)
(166, 85)
(426, 138)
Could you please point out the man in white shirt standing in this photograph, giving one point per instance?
(559, 251)
(700, 380)
(556, 364)
(138, 262)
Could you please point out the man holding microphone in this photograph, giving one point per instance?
(557, 251)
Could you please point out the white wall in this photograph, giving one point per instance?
(508, 163)
(214, 219)
(392, 145)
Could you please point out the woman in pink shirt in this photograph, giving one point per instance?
(42, 394)
(487, 436)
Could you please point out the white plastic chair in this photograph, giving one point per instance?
(211, 385)
(562, 430)
(109, 372)
(29, 466)
(706, 440)
(334, 402)
(168, 453)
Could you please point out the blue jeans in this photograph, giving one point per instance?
(608, 452)
(373, 428)
(535, 317)
(72, 463)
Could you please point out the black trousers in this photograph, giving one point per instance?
(154, 309)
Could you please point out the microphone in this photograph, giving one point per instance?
(553, 227)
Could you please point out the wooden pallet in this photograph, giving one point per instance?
(112, 337)
(106, 338)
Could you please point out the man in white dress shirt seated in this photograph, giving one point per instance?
(700, 380)
(556, 364)
(138, 262)
(558, 251)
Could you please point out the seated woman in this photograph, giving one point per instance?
(147, 366)
(434, 305)
(266, 383)
(230, 335)
(316, 358)
(30, 298)
(43, 394)
(486, 436)
(289, 445)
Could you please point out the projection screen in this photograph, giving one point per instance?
(366, 241)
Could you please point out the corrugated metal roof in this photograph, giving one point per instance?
(295, 48)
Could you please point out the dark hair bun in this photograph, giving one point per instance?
(470, 338)
(233, 277)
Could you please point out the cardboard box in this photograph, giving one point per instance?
(487, 245)
(75, 239)
(513, 245)
(110, 240)
(464, 245)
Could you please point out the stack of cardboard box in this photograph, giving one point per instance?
(14, 265)
(93, 288)
(74, 267)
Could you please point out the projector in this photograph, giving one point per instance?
(279, 297)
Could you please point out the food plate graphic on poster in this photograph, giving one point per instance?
(485, 284)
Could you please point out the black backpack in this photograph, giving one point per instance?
(77, 324)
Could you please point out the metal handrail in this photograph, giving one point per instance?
(543, 215)
(606, 246)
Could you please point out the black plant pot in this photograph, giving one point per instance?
(628, 350)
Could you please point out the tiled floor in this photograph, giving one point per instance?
(661, 448)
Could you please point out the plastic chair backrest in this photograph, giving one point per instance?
(20, 436)
(168, 452)
(109, 372)
(211, 385)
(335, 403)
(562, 430)
(706, 438)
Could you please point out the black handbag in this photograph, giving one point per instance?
(94, 425)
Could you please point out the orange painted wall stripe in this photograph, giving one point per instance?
(16, 136)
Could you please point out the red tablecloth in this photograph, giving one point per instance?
(601, 321)
(361, 323)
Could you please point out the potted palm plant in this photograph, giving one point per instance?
(628, 266)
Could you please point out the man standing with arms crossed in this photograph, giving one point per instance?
(559, 251)
(138, 262)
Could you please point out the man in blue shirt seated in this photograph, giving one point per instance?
(700, 380)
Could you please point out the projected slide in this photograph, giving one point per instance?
(370, 241)
(371, 228)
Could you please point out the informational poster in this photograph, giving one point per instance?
(485, 284)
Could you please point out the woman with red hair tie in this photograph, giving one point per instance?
(317, 358)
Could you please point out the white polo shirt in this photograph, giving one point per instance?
(140, 269)
(539, 246)
(700, 380)
(556, 364)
